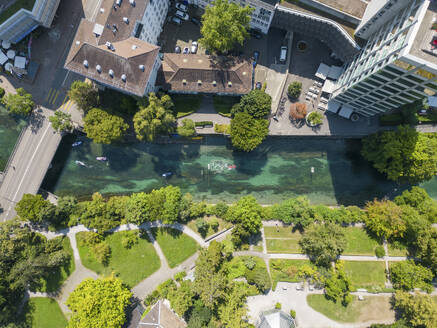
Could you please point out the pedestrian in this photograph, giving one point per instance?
(13, 167)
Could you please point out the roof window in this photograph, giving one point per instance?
(141, 67)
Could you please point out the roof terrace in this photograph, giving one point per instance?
(8, 8)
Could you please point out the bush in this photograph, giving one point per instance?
(129, 239)
(315, 118)
(294, 89)
(298, 111)
(202, 226)
(221, 209)
(379, 251)
(2, 92)
(259, 277)
(293, 314)
(187, 128)
(222, 128)
(214, 224)
(256, 103)
(92, 238)
(204, 124)
(278, 306)
(180, 276)
(249, 262)
(102, 252)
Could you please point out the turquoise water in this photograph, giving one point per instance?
(209, 169)
(10, 128)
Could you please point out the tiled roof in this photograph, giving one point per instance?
(160, 316)
(206, 74)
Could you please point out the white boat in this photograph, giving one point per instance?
(80, 163)
(77, 143)
(167, 174)
(101, 158)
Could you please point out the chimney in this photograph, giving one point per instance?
(85, 63)
(214, 83)
(199, 82)
(99, 69)
(126, 20)
(184, 82)
(123, 77)
(111, 73)
(132, 3)
(141, 67)
(229, 84)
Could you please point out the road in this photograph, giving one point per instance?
(29, 163)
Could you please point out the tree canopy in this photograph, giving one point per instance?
(99, 303)
(294, 210)
(224, 25)
(30, 207)
(417, 310)
(61, 121)
(407, 275)
(404, 155)
(384, 219)
(257, 103)
(20, 103)
(323, 243)
(187, 129)
(103, 127)
(84, 95)
(247, 132)
(154, 119)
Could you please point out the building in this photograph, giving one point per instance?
(160, 316)
(275, 319)
(117, 49)
(24, 21)
(261, 16)
(397, 65)
(202, 74)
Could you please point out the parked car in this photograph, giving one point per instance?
(176, 20)
(196, 21)
(186, 51)
(181, 7)
(255, 34)
(177, 50)
(258, 85)
(182, 15)
(283, 54)
(194, 46)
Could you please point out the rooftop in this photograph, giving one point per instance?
(8, 8)
(423, 43)
(160, 316)
(352, 7)
(206, 74)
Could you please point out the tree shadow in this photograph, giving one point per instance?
(36, 121)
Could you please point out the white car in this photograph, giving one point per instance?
(182, 15)
(194, 46)
(181, 7)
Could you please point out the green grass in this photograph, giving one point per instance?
(223, 104)
(185, 104)
(175, 245)
(289, 245)
(222, 225)
(279, 232)
(130, 265)
(430, 118)
(369, 275)
(398, 250)
(11, 10)
(359, 242)
(286, 270)
(373, 308)
(43, 312)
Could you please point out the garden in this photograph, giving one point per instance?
(369, 275)
(208, 225)
(43, 312)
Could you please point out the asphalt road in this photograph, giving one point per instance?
(29, 163)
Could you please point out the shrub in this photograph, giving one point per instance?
(294, 89)
(202, 226)
(214, 224)
(249, 262)
(102, 252)
(221, 209)
(379, 251)
(187, 128)
(92, 238)
(152, 298)
(256, 103)
(315, 118)
(2, 92)
(129, 239)
(180, 276)
(293, 314)
(203, 123)
(298, 111)
(278, 306)
(222, 128)
(259, 277)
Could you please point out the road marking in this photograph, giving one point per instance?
(48, 95)
(63, 103)
(68, 106)
(65, 79)
(55, 97)
(27, 168)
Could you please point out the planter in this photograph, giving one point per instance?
(309, 123)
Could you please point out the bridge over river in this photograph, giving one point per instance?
(29, 162)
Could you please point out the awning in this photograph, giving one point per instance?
(20, 62)
(346, 112)
(333, 106)
(328, 87)
(322, 71)
(432, 101)
(3, 58)
(335, 72)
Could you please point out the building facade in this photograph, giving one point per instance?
(150, 26)
(20, 24)
(261, 16)
(397, 66)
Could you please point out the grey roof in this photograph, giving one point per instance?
(271, 2)
(276, 319)
(160, 316)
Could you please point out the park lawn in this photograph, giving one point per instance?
(280, 232)
(175, 245)
(185, 104)
(366, 274)
(223, 104)
(279, 268)
(372, 308)
(359, 242)
(130, 265)
(283, 246)
(57, 277)
(399, 250)
(44, 312)
(222, 225)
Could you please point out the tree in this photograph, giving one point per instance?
(323, 243)
(407, 275)
(426, 248)
(61, 121)
(181, 299)
(294, 210)
(30, 206)
(294, 89)
(404, 155)
(99, 303)
(103, 127)
(187, 128)
(200, 316)
(298, 111)
(338, 285)
(247, 132)
(232, 311)
(84, 95)
(417, 310)
(154, 119)
(257, 103)
(384, 219)
(419, 199)
(223, 25)
(20, 103)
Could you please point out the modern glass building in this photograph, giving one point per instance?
(397, 65)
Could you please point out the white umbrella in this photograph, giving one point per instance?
(6, 44)
(8, 67)
(10, 54)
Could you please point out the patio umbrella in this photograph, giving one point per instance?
(6, 44)
(10, 54)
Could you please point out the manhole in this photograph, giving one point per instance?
(302, 46)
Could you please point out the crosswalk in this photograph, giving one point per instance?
(67, 104)
(52, 96)
(59, 99)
